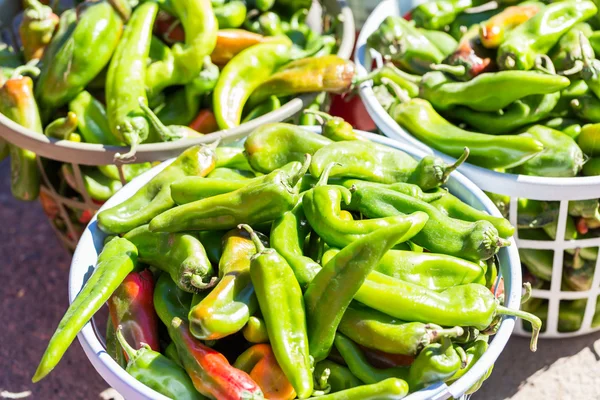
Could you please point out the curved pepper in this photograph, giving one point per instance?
(280, 300)
(228, 306)
(439, 13)
(381, 332)
(436, 363)
(274, 145)
(259, 361)
(92, 121)
(474, 241)
(64, 128)
(493, 31)
(314, 74)
(540, 33)
(481, 93)
(397, 39)
(378, 163)
(343, 275)
(561, 156)
(18, 104)
(420, 118)
(244, 73)
(36, 29)
(158, 372)
(185, 61)
(117, 259)
(125, 82)
(84, 52)
(211, 373)
(155, 197)
(255, 331)
(181, 255)
(131, 308)
(264, 201)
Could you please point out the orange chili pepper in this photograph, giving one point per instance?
(36, 29)
(205, 122)
(259, 361)
(493, 30)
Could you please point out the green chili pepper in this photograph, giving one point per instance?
(472, 241)
(113, 348)
(538, 262)
(443, 41)
(433, 271)
(96, 184)
(568, 52)
(155, 197)
(287, 237)
(18, 104)
(63, 128)
(231, 174)
(406, 81)
(255, 331)
(228, 306)
(571, 127)
(594, 39)
(335, 128)
(307, 118)
(420, 118)
(271, 104)
(183, 64)
(387, 389)
(592, 167)
(125, 83)
(274, 145)
(539, 34)
(263, 201)
(244, 73)
(130, 171)
(481, 93)
(171, 353)
(535, 214)
(231, 15)
(466, 305)
(92, 119)
(464, 21)
(527, 110)
(588, 140)
(456, 208)
(439, 13)
(341, 277)
(314, 74)
(378, 331)
(436, 363)
(291, 6)
(261, 5)
(280, 300)
(181, 255)
(378, 163)
(158, 372)
(117, 259)
(232, 157)
(397, 39)
(36, 28)
(84, 51)
(267, 24)
(338, 377)
(211, 373)
(211, 240)
(586, 107)
(406, 188)
(561, 156)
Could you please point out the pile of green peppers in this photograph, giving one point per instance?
(519, 85)
(285, 267)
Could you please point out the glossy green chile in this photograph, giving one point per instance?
(539, 34)
(439, 13)
(339, 280)
(274, 145)
(179, 254)
(378, 163)
(436, 363)
(92, 119)
(263, 201)
(158, 372)
(338, 377)
(406, 188)
(155, 196)
(391, 388)
(375, 330)
(561, 157)
(474, 241)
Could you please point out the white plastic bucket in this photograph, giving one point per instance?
(91, 243)
(515, 186)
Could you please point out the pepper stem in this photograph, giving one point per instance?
(130, 351)
(130, 155)
(527, 295)
(456, 70)
(436, 334)
(294, 179)
(165, 133)
(260, 247)
(198, 282)
(322, 114)
(502, 242)
(459, 161)
(321, 385)
(325, 174)
(575, 69)
(536, 323)
(463, 356)
(400, 93)
(28, 69)
(544, 63)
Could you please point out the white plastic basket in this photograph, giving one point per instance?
(92, 240)
(515, 186)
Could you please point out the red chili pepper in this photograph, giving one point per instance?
(205, 122)
(131, 306)
(498, 287)
(49, 206)
(408, 16)
(582, 227)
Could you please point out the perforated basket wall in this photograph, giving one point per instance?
(569, 312)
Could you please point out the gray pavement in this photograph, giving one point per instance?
(33, 296)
